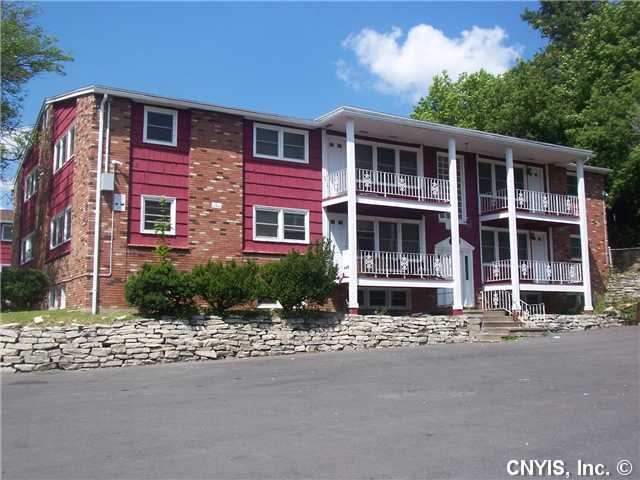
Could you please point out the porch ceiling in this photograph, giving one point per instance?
(402, 129)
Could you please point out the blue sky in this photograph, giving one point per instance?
(292, 58)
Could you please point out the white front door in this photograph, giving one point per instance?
(445, 295)
(535, 180)
(539, 252)
(336, 154)
(338, 237)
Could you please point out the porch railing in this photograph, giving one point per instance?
(403, 186)
(387, 264)
(532, 201)
(502, 300)
(536, 271)
(335, 183)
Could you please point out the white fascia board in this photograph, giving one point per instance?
(591, 168)
(409, 122)
(537, 287)
(403, 283)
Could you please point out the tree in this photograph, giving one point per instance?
(27, 51)
(581, 90)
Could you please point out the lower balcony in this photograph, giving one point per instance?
(534, 271)
(404, 265)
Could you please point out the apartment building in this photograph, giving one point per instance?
(422, 216)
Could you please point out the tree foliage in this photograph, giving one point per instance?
(582, 90)
(27, 51)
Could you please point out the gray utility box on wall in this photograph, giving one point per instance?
(107, 181)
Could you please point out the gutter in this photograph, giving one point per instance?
(96, 225)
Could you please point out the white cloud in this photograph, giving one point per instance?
(407, 67)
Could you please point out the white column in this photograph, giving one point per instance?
(584, 237)
(352, 217)
(455, 228)
(513, 232)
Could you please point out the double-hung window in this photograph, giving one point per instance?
(442, 171)
(60, 228)
(383, 298)
(280, 143)
(30, 184)
(572, 184)
(496, 246)
(27, 248)
(158, 214)
(64, 148)
(575, 248)
(386, 158)
(492, 178)
(274, 224)
(160, 126)
(6, 232)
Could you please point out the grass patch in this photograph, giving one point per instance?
(510, 338)
(63, 317)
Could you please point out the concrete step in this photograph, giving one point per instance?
(488, 337)
(497, 330)
(498, 321)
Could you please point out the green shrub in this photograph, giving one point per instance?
(160, 289)
(225, 285)
(299, 281)
(22, 288)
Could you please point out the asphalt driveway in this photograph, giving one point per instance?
(442, 411)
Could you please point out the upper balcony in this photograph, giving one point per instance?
(531, 205)
(534, 274)
(387, 185)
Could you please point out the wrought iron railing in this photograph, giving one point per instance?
(402, 186)
(536, 271)
(387, 264)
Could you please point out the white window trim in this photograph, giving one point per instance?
(68, 154)
(171, 200)
(3, 225)
(281, 211)
(268, 306)
(366, 305)
(493, 163)
(496, 247)
(463, 184)
(574, 259)
(281, 130)
(31, 236)
(66, 234)
(376, 230)
(174, 132)
(396, 148)
(32, 174)
(572, 174)
(52, 300)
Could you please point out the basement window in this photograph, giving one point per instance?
(57, 298)
(160, 126)
(157, 213)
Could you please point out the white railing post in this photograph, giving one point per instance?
(513, 231)
(352, 217)
(584, 236)
(455, 228)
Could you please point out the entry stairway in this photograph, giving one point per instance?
(498, 324)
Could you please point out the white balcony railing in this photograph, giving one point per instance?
(548, 203)
(404, 264)
(536, 271)
(402, 186)
(335, 183)
(532, 201)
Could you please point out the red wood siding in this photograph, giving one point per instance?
(159, 170)
(277, 183)
(61, 190)
(5, 253)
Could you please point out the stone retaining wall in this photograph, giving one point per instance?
(563, 323)
(152, 341)
(142, 342)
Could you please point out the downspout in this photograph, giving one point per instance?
(96, 225)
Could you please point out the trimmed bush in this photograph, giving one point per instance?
(299, 281)
(22, 288)
(225, 285)
(161, 289)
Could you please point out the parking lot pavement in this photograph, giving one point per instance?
(441, 411)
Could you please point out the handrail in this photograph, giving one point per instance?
(532, 201)
(537, 271)
(502, 300)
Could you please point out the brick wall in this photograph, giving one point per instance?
(597, 227)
